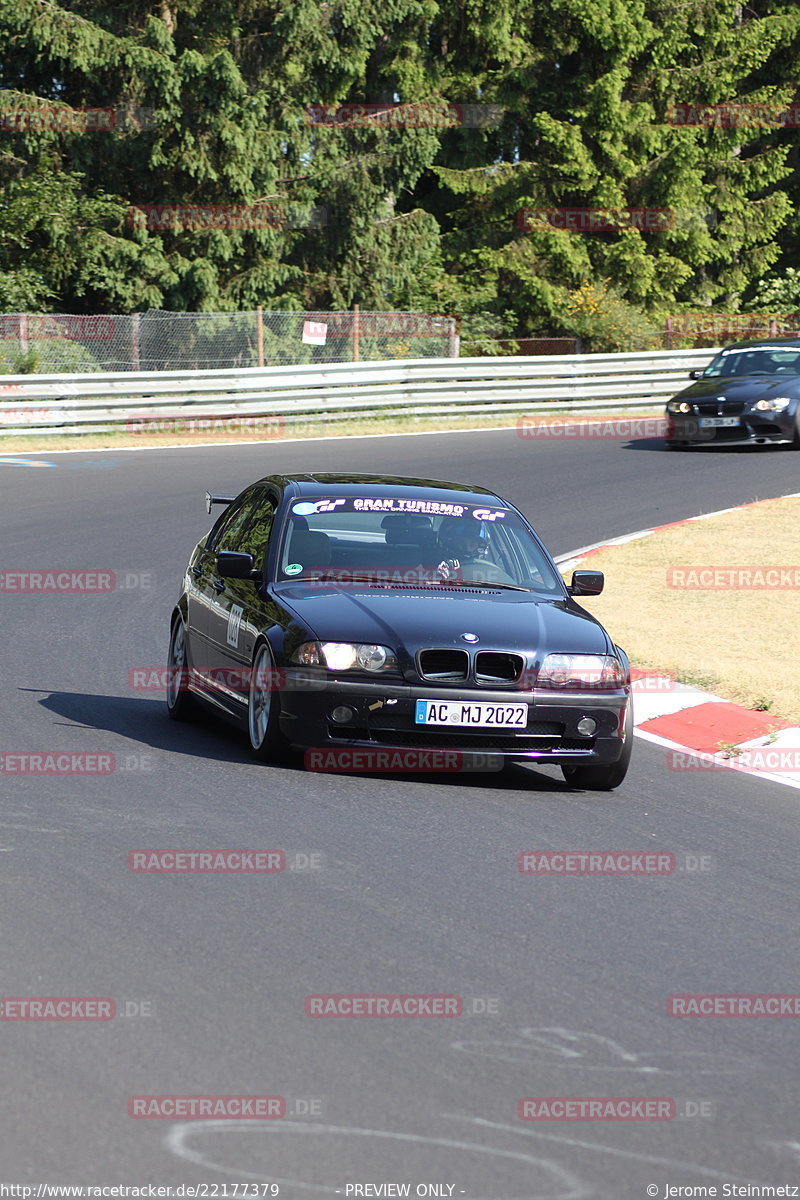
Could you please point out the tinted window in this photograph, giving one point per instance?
(333, 538)
(758, 361)
(246, 526)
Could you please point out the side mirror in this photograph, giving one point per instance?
(586, 583)
(231, 565)
(695, 374)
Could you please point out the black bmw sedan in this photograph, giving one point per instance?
(364, 611)
(748, 395)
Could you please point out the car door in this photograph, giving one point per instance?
(238, 609)
(202, 587)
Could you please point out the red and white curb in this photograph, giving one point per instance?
(698, 730)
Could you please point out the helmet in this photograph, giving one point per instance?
(460, 537)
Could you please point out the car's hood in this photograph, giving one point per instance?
(414, 619)
(750, 387)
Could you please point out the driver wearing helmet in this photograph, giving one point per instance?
(464, 546)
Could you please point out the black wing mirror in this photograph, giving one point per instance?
(231, 565)
(695, 374)
(586, 583)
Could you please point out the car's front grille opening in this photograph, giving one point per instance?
(497, 667)
(445, 666)
(719, 408)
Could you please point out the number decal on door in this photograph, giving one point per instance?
(234, 623)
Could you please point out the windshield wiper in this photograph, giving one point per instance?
(511, 587)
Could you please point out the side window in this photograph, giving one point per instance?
(252, 534)
(224, 532)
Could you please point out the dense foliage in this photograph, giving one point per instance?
(406, 215)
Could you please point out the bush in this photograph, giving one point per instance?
(46, 356)
(605, 322)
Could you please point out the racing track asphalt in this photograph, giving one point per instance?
(418, 889)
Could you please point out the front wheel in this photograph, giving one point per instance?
(180, 704)
(606, 776)
(267, 743)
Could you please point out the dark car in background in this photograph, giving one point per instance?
(358, 611)
(747, 395)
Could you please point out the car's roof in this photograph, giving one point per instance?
(350, 484)
(764, 343)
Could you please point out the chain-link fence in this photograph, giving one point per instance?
(171, 341)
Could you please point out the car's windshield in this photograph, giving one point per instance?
(757, 360)
(405, 541)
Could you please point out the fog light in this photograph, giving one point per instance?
(587, 726)
(342, 714)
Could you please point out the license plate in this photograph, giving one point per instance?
(458, 712)
(718, 422)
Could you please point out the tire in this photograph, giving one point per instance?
(796, 437)
(607, 776)
(180, 703)
(267, 743)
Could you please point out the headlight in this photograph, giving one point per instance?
(581, 672)
(345, 656)
(679, 406)
(776, 404)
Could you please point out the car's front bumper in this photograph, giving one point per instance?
(383, 716)
(684, 429)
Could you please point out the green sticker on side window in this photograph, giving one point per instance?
(293, 569)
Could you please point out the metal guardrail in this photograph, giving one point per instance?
(73, 404)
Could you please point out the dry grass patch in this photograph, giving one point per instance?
(736, 641)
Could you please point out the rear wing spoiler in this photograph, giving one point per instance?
(210, 499)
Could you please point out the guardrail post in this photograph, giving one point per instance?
(773, 330)
(260, 334)
(356, 334)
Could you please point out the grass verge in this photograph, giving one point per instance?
(736, 638)
(312, 429)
